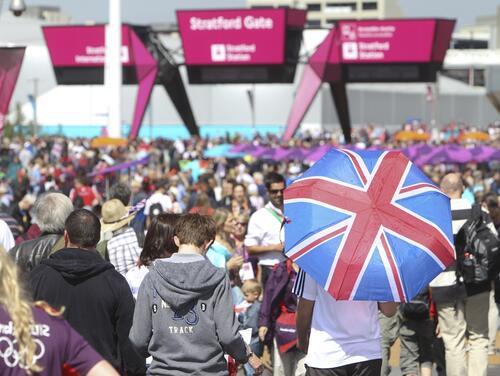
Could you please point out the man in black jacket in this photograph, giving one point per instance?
(97, 299)
(50, 212)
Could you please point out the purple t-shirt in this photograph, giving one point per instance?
(60, 349)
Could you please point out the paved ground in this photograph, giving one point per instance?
(493, 370)
(493, 367)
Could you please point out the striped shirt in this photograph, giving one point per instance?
(123, 249)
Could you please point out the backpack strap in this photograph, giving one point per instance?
(477, 211)
(462, 214)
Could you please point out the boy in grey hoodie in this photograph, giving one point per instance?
(183, 315)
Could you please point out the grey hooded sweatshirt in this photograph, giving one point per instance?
(184, 318)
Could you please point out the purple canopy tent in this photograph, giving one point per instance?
(120, 167)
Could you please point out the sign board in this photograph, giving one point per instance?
(233, 37)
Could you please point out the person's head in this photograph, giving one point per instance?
(239, 193)
(159, 242)
(17, 304)
(162, 185)
(251, 290)
(27, 202)
(224, 221)
(227, 187)
(135, 187)
(120, 191)
(80, 182)
(206, 182)
(196, 231)
(452, 185)
(241, 225)
(82, 229)
(50, 212)
(202, 200)
(275, 185)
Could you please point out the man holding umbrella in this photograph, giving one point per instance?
(369, 230)
(339, 337)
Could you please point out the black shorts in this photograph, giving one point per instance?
(368, 368)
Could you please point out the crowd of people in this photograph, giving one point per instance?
(176, 267)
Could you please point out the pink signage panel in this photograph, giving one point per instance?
(388, 41)
(82, 46)
(233, 37)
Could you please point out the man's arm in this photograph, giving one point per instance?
(389, 309)
(303, 320)
(265, 248)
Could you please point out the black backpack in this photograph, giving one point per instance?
(477, 248)
(418, 307)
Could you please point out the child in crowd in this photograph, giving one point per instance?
(248, 315)
(183, 317)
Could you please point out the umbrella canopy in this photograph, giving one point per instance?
(317, 153)
(411, 136)
(474, 136)
(368, 225)
(100, 142)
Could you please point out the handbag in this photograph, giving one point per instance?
(285, 330)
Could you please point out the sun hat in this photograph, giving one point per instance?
(114, 216)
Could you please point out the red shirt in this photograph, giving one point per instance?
(86, 193)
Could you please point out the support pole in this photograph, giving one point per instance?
(113, 68)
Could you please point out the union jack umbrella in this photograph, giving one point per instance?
(368, 225)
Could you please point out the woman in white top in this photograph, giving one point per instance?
(159, 243)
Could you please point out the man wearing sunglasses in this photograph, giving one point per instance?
(263, 236)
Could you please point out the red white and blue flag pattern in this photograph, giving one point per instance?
(368, 225)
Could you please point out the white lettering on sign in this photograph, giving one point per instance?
(385, 31)
(236, 23)
(97, 55)
(232, 52)
(365, 50)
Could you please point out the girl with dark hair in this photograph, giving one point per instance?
(159, 243)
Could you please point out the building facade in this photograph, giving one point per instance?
(324, 13)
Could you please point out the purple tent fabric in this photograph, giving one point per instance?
(484, 153)
(258, 151)
(241, 148)
(281, 153)
(120, 167)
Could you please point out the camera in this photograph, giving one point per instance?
(17, 7)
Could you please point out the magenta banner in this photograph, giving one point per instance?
(79, 51)
(387, 41)
(233, 37)
(83, 45)
(11, 59)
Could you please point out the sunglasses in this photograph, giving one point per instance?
(276, 191)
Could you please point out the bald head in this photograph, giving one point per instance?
(452, 185)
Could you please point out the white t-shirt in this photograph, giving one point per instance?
(134, 277)
(264, 229)
(6, 238)
(342, 332)
(158, 198)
